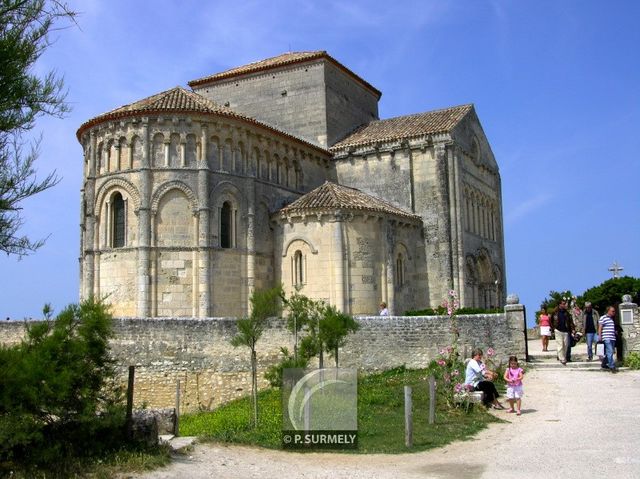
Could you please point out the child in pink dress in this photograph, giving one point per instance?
(513, 376)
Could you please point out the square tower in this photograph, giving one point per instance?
(307, 94)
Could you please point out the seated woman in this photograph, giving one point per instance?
(479, 377)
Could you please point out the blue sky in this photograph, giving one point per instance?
(556, 85)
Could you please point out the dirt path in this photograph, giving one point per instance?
(574, 424)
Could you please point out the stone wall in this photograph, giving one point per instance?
(173, 210)
(317, 101)
(631, 332)
(197, 351)
(348, 104)
(291, 99)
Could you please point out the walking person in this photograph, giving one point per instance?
(545, 329)
(513, 376)
(563, 325)
(590, 327)
(575, 333)
(607, 333)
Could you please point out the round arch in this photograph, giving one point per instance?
(116, 184)
(173, 185)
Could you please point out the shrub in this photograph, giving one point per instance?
(442, 311)
(632, 361)
(57, 393)
(274, 373)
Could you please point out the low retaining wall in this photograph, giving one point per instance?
(198, 353)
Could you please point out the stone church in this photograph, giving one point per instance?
(280, 171)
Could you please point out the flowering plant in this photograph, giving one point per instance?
(451, 302)
(446, 369)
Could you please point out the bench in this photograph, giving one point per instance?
(472, 397)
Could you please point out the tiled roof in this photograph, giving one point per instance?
(179, 100)
(431, 122)
(175, 100)
(277, 62)
(332, 196)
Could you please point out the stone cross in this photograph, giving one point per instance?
(615, 269)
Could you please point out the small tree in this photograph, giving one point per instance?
(610, 292)
(303, 315)
(334, 329)
(264, 304)
(52, 386)
(324, 328)
(552, 302)
(25, 26)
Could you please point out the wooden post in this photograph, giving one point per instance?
(307, 412)
(176, 426)
(128, 422)
(408, 417)
(432, 399)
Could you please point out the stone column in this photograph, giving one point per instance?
(108, 225)
(454, 236)
(459, 227)
(144, 229)
(130, 153)
(516, 326)
(251, 241)
(118, 156)
(167, 144)
(204, 235)
(630, 322)
(440, 273)
(89, 221)
(338, 262)
(195, 256)
(390, 268)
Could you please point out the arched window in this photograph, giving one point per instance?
(298, 268)
(118, 221)
(226, 226)
(399, 271)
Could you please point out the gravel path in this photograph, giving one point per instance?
(574, 424)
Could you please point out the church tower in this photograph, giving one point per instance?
(308, 94)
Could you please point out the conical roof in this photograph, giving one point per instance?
(331, 196)
(179, 100)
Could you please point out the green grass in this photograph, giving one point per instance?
(127, 460)
(124, 461)
(380, 417)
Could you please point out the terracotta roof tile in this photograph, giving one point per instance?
(280, 61)
(431, 122)
(333, 196)
(174, 100)
(179, 100)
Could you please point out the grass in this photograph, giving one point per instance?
(110, 464)
(380, 417)
(125, 461)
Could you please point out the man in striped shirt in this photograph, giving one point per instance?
(607, 332)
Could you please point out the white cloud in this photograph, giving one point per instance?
(523, 208)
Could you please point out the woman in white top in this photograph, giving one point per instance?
(383, 309)
(480, 378)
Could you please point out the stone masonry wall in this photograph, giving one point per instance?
(291, 99)
(211, 371)
(631, 332)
